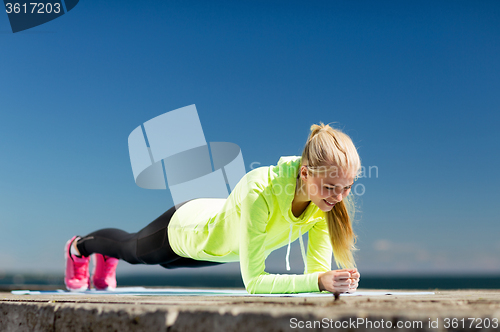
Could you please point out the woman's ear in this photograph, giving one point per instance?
(303, 173)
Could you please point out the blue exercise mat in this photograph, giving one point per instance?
(142, 291)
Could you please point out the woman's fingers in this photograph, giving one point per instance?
(341, 275)
(345, 280)
(342, 281)
(344, 287)
(353, 288)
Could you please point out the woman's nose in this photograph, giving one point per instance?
(338, 197)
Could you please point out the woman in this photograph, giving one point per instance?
(268, 209)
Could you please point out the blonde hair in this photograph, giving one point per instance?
(328, 147)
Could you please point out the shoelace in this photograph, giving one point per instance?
(81, 270)
(107, 267)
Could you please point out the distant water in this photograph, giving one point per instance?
(378, 282)
(18, 281)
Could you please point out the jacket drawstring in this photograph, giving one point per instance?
(302, 250)
(288, 249)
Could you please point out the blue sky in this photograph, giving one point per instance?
(415, 85)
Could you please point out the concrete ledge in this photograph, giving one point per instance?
(211, 313)
(19, 316)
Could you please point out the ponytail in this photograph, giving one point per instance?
(342, 235)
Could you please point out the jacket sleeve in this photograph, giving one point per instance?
(319, 248)
(254, 218)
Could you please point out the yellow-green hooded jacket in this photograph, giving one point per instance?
(253, 221)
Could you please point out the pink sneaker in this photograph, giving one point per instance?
(76, 277)
(104, 273)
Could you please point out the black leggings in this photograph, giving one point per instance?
(148, 246)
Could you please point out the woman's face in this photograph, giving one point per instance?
(327, 187)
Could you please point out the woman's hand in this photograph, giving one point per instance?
(339, 281)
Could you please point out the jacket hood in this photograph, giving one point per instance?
(284, 181)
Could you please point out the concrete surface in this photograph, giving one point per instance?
(461, 310)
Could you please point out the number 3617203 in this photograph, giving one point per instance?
(33, 8)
